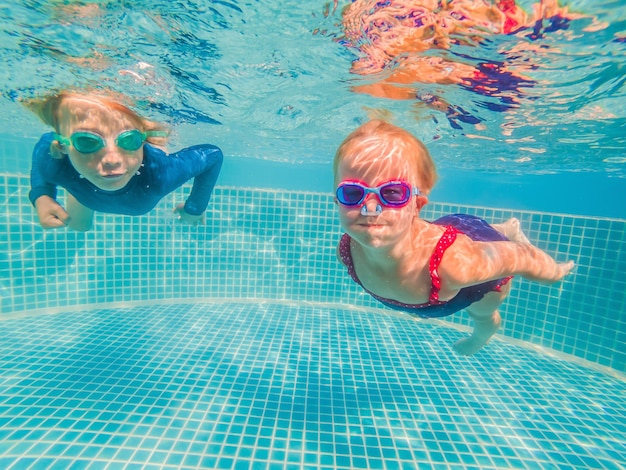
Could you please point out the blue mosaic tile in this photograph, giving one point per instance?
(261, 244)
(245, 385)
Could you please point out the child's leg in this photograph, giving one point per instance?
(81, 217)
(512, 230)
(486, 321)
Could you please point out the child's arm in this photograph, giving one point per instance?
(468, 262)
(42, 192)
(201, 162)
(39, 183)
(207, 163)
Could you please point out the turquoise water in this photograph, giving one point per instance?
(242, 343)
(272, 81)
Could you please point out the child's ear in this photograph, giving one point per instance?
(420, 201)
(58, 150)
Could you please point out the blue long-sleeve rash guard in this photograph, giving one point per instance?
(160, 175)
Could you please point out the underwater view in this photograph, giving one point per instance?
(313, 234)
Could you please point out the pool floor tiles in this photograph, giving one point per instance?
(274, 385)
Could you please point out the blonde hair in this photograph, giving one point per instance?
(377, 139)
(48, 109)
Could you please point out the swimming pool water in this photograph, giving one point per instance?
(284, 385)
(243, 343)
(271, 80)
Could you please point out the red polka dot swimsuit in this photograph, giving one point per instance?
(474, 227)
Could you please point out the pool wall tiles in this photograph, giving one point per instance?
(268, 245)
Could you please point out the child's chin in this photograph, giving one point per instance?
(372, 239)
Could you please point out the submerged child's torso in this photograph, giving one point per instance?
(159, 175)
(475, 228)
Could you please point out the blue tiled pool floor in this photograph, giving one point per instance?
(270, 385)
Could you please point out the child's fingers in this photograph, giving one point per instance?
(55, 218)
(61, 215)
(53, 222)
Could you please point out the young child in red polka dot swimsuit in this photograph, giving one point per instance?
(479, 230)
(430, 269)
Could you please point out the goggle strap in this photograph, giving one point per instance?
(62, 139)
(155, 134)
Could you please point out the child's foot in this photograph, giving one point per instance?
(512, 230)
(483, 331)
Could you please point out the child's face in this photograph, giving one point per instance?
(111, 167)
(393, 223)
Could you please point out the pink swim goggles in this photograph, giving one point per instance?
(394, 193)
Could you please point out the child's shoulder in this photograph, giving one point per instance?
(42, 154)
(425, 227)
(426, 235)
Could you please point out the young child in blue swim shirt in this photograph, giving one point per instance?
(383, 175)
(108, 159)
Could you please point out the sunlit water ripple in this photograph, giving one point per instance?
(271, 80)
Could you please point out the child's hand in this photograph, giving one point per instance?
(186, 218)
(50, 213)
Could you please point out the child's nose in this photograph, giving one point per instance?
(371, 201)
(371, 207)
(112, 156)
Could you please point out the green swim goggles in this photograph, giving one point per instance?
(88, 142)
